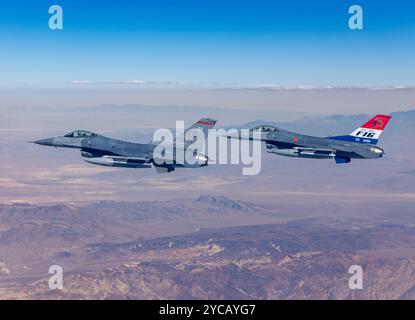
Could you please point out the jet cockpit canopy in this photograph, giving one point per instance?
(265, 128)
(80, 134)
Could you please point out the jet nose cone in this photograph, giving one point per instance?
(45, 142)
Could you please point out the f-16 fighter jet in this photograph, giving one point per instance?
(360, 144)
(104, 151)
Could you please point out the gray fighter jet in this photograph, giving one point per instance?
(360, 144)
(100, 150)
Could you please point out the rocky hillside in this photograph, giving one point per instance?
(304, 259)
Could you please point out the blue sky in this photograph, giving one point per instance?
(210, 42)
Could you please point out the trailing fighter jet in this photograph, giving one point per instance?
(360, 144)
(100, 150)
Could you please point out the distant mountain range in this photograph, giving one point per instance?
(30, 235)
(399, 130)
(336, 124)
(308, 259)
(107, 252)
(23, 223)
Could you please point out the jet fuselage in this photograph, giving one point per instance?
(293, 144)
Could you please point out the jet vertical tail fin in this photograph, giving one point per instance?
(203, 124)
(369, 132)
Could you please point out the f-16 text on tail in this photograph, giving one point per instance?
(360, 144)
(104, 151)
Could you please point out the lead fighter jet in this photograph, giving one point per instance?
(100, 150)
(360, 144)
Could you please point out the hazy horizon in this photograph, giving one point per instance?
(324, 101)
(36, 174)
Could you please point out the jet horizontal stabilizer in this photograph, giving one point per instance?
(164, 169)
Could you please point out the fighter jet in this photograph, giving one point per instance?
(104, 151)
(360, 144)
